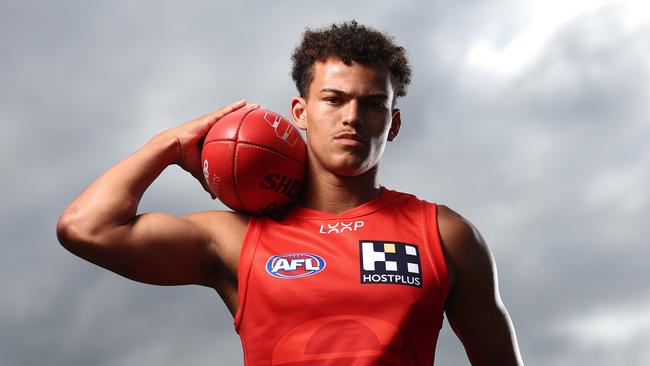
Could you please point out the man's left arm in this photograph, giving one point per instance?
(474, 307)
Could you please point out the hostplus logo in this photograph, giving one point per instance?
(390, 262)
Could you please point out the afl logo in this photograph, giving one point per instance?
(294, 265)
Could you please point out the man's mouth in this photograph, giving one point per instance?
(350, 138)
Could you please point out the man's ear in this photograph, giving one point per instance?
(395, 124)
(299, 112)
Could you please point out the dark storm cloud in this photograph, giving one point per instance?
(558, 159)
(549, 162)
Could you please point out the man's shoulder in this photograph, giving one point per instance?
(412, 198)
(211, 217)
(222, 226)
(456, 232)
(453, 226)
(462, 242)
(444, 213)
(400, 196)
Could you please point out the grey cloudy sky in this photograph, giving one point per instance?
(531, 118)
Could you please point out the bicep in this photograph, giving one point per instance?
(474, 307)
(154, 248)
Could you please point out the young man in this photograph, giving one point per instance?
(383, 265)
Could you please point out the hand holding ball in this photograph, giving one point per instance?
(254, 160)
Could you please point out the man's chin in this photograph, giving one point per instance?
(344, 165)
(350, 170)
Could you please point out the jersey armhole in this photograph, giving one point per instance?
(246, 255)
(435, 246)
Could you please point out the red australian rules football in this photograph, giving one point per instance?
(254, 160)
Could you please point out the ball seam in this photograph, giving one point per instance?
(234, 158)
(267, 147)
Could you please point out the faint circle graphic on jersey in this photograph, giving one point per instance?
(366, 338)
(294, 265)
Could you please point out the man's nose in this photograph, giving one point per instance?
(352, 113)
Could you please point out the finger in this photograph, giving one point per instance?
(229, 108)
(251, 106)
(206, 121)
(232, 107)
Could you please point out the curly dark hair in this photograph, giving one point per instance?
(350, 42)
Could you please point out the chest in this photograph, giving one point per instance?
(364, 288)
(342, 265)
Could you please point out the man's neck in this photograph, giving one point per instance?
(328, 192)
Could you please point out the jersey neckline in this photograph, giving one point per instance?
(365, 208)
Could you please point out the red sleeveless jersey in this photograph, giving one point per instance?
(364, 287)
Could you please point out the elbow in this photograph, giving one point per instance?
(66, 231)
(71, 232)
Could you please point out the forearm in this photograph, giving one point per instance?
(112, 200)
(498, 345)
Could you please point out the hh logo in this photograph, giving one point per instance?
(294, 265)
(341, 227)
(390, 262)
(283, 128)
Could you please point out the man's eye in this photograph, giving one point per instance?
(334, 101)
(377, 105)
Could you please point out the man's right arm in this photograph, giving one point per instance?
(102, 226)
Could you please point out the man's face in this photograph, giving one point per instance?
(348, 116)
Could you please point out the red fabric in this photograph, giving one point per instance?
(331, 317)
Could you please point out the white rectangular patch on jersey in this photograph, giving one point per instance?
(385, 262)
